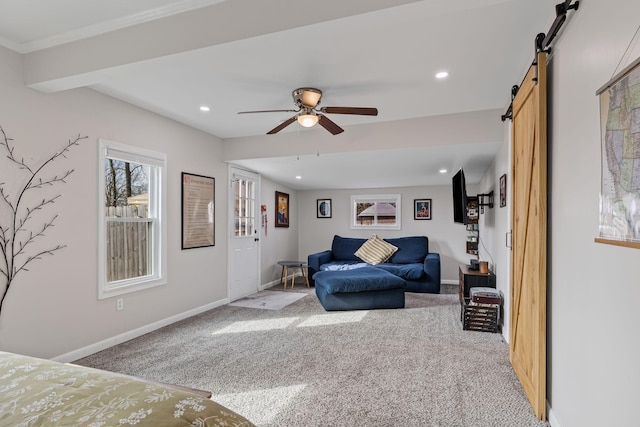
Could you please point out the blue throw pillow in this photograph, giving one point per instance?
(344, 248)
(410, 249)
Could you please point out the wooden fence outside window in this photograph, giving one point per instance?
(129, 231)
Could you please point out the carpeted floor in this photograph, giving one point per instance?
(303, 366)
(269, 300)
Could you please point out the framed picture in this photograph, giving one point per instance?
(198, 211)
(421, 208)
(282, 209)
(503, 190)
(323, 208)
(376, 211)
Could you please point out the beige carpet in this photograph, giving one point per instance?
(303, 366)
(269, 300)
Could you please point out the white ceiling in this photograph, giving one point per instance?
(171, 57)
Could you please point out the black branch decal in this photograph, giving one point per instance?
(17, 233)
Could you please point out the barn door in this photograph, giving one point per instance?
(528, 258)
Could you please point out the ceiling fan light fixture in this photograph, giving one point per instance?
(311, 98)
(308, 120)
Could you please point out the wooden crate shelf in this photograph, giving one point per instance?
(480, 317)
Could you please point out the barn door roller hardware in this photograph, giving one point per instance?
(543, 41)
(561, 15)
(509, 113)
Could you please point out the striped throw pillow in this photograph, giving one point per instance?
(375, 250)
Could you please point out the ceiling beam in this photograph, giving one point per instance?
(79, 63)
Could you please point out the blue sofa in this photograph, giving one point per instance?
(364, 288)
(412, 262)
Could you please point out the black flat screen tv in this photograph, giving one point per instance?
(459, 197)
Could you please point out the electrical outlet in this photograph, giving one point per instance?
(119, 304)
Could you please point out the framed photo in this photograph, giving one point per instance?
(282, 209)
(323, 208)
(198, 211)
(421, 208)
(376, 212)
(503, 190)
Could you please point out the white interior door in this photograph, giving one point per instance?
(244, 254)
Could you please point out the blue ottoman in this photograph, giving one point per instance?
(364, 288)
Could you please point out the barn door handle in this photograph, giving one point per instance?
(508, 239)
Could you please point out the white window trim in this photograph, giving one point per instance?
(110, 149)
(372, 198)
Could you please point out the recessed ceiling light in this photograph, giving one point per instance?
(443, 171)
(298, 177)
(204, 108)
(442, 75)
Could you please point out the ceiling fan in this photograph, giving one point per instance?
(308, 115)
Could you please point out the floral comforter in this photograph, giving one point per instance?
(38, 392)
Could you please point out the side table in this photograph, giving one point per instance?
(284, 274)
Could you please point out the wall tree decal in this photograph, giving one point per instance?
(17, 231)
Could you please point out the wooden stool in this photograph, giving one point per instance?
(284, 274)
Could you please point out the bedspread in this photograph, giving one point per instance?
(39, 392)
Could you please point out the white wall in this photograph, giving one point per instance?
(445, 237)
(53, 309)
(495, 224)
(594, 343)
(278, 243)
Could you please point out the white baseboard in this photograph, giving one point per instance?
(553, 420)
(449, 282)
(277, 282)
(269, 284)
(126, 336)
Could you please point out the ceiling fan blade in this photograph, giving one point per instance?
(329, 125)
(268, 111)
(282, 125)
(362, 111)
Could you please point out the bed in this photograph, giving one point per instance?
(39, 392)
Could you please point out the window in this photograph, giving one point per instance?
(131, 248)
(244, 190)
(376, 211)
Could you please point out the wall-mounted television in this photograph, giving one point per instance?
(459, 197)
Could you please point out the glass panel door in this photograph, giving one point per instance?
(245, 206)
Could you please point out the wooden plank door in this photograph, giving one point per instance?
(527, 347)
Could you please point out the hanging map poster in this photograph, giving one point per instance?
(620, 136)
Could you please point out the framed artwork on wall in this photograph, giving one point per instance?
(503, 190)
(282, 209)
(376, 211)
(198, 211)
(421, 208)
(323, 208)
